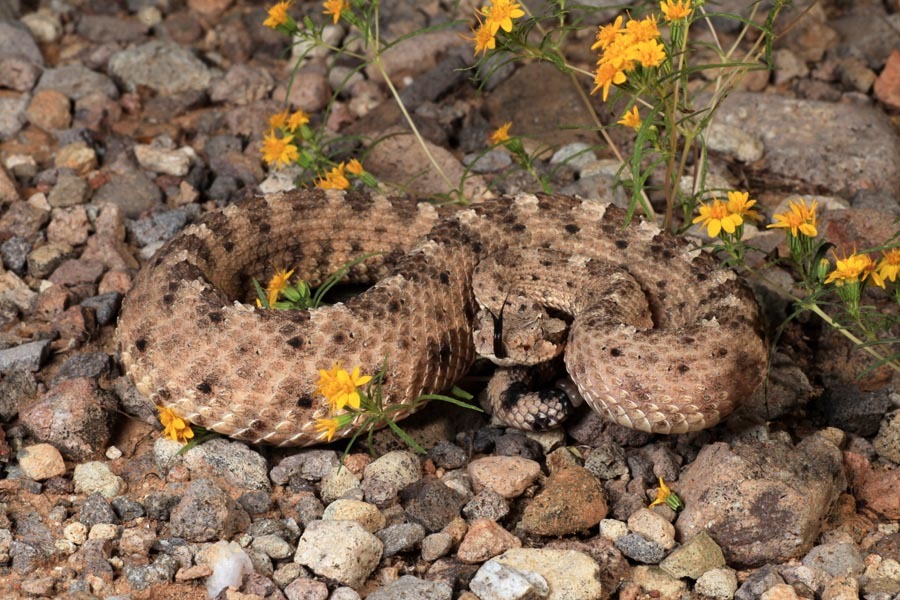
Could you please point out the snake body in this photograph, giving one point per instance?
(191, 339)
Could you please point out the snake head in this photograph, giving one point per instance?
(520, 332)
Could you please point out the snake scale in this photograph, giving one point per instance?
(190, 339)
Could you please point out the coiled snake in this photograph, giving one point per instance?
(191, 340)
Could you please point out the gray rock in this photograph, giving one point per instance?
(431, 503)
(806, 142)
(739, 494)
(339, 550)
(96, 476)
(90, 365)
(491, 161)
(402, 537)
(207, 513)
(413, 588)
(576, 155)
(719, 584)
(75, 416)
(158, 227)
(15, 254)
(25, 558)
(18, 73)
(607, 460)
(97, 509)
(164, 67)
(447, 455)
(847, 407)
(838, 559)
(24, 357)
(110, 28)
(127, 509)
(43, 260)
(272, 546)
(384, 477)
(16, 388)
(69, 190)
(758, 582)
(76, 81)
(694, 558)
(436, 545)
(231, 462)
(867, 33)
(241, 85)
(16, 40)
(132, 191)
(640, 549)
(570, 574)
(161, 570)
(168, 161)
(887, 442)
(486, 504)
(105, 306)
(23, 219)
(12, 116)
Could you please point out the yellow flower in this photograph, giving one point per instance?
(278, 14)
(667, 497)
(326, 427)
(354, 167)
(279, 151)
(278, 120)
(643, 30)
(501, 134)
(740, 204)
(716, 217)
(483, 38)
(335, 8)
(889, 265)
(673, 11)
(854, 268)
(607, 34)
(339, 387)
(297, 120)
(277, 284)
(799, 217)
(631, 118)
(176, 428)
(334, 179)
(607, 75)
(650, 53)
(500, 15)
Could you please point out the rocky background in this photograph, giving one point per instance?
(121, 121)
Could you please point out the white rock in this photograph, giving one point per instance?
(496, 581)
(337, 482)
(76, 532)
(720, 583)
(576, 155)
(228, 562)
(112, 453)
(363, 513)
(735, 142)
(161, 160)
(103, 531)
(340, 550)
(653, 526)
(571, 575)
(44, 25)
(613, 529)
(96, 476)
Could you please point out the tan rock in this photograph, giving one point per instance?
(508, 476)
(484, 540)
(572, 500)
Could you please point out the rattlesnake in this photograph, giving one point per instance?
(188, 343)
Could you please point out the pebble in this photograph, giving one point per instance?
(436, 545)
(413, 588)
(49, 109)
(837, 559)
(12, 117)
(228, 562)
(41, 461)
(231, 462)
(641, 549)
(485, 539)
(77, 156)
(887, 86)
(132, 192)
(486, 504)
(242, 84)
(338, 481)
(654, 527)
(363, 513)
(887, 442)
(164, 67)
(571, 500)
(447, 455)
(508, 476)
(206, 513)
(340, 550)
(75, 416)
(97, 509)
(76, 532)
(402, 537)
(781, 591)
(272, 546)
(306, 589)
(841, 588)
(43, 260)
(384, 477)
(719, 583)
(103, 531)
(735, 142)
(570, 575)
(496, 581)
(97, 477)
(431, 503)
(70, 227)
(24, 357)
(137, 541)
(694, 558)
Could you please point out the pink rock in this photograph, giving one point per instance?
(509, 476)
(484, 540)
(887, 86)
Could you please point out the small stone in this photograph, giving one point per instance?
(49, 110)
(607, 460)
(16, 388)
(15, 254)
(887, 86)
(41, 461)
(484, 540)
(640, 549)
(310, 465)
(841, 588)
(336, 483)
(363, 513)
(70, 226)
(272, 546)
(77, 156)
(24, 357)
(158, 227)
(43, 260)
(402, 537)
(491, 161)
(229, 564)
(431, 503)
(162, 160)
(654, 527)
(22, 219)
(719, 583)
(447, 455)
(306, 589)
(44, 25)
(97, 477)
(572, 500)
(103, 531)
(758, 582)
(657, 582)
(242, 85)
(837, 559)
(508, 476)
(436, 545)
(735, 142)
(340, 550)
(96, 509)
(230, 462)
(887, 442)
(162, 66)
(310, 90)
(413, 588)
(781, 591)
(613, 529)
(570, 574)
(76, 532)
(496, 581)
(105, 306)
(855, 74)
(384, 477)
(695, 557)
(110, 28)
(486, 504)
(132, 192)
(882, 576)
(75, 416)
(137, 541)
(206, 513)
